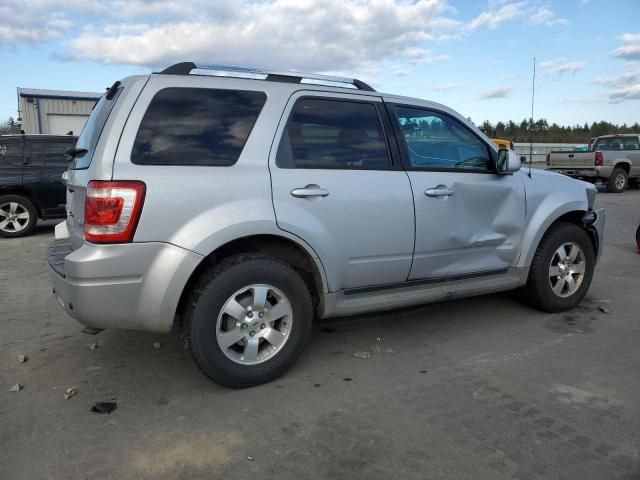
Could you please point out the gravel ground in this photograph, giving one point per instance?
(479, 388)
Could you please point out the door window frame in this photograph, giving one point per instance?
(391, 144)
(404, 150)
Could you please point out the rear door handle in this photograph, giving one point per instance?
(309, 191)
(439, 192)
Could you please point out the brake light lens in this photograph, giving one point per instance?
(599, 159)
(112, 210)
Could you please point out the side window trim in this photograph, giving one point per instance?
(404, 151)
(393, 156)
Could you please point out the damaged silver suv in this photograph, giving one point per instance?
(237, 205)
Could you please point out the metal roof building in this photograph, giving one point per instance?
(54, 112)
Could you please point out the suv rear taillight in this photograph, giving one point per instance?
(599, 159)
(112, 210)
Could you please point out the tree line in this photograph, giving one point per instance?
(554, 133)
(9, 126)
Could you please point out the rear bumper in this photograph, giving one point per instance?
(594, 173)
(134, 286)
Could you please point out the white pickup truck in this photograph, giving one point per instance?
(612, 159)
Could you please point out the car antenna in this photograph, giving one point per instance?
(533, 97)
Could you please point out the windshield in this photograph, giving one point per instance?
(92, 129)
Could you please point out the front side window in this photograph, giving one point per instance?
(196, 126)
(326, 134)
(436, 141)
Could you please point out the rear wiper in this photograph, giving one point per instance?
(74, 152)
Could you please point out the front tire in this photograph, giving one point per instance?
(562, 269)
(248, 320)
(618, 181)
(18, 216)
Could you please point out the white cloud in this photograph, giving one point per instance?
(560, 66)
(497, 92)
(545, 16)
(493, 19)
(447, 87)
(320, 35)
(623, 87)
(630, 49)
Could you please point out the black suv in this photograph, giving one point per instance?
(30, 180)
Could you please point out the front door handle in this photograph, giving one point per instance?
(439, 192)
(309, 191)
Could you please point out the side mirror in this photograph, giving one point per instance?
(507, 162)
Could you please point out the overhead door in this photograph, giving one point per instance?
(63, 124)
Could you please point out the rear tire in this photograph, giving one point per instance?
(562, 269)
(248, 320)
(618, 181)
(18, 216)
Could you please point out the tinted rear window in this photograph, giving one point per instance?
(93, 129)
(196, 126)
(327, 133)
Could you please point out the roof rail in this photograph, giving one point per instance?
(190, 68)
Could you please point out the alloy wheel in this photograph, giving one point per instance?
(254, 324)
(567, 269)
(14, 217)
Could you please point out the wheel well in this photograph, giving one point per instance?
(272, 245)
(24, 193)
(576, 217)
(623, 165)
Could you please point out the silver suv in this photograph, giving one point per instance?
(238, 205)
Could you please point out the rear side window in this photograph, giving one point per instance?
(196, 126)
(11, 152)
(325, 134)
(93, 129)
(49, 154)
(617, 143)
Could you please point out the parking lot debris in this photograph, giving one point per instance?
(104, 407)
(378, 349)
(93, 346)
(157, 345)
(363, 355)
(328, 329)
(22, 358)
(16, 388)
(91, 330)
(70, 392)
(251, 459)
(604, 308)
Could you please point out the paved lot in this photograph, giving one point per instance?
(480, 388)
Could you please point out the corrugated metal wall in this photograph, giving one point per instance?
(29, 113)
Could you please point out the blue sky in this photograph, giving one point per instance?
(475, 56)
